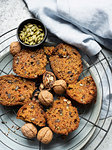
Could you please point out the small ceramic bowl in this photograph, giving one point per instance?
(32, 21)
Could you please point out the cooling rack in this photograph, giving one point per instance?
(11, 137)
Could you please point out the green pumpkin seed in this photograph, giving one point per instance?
(30, 25)
(35, 30)
(32, 33)
(33, 37)
(23, 29)
(30, 39)
(26, 42)
(27, 30)
(40, 30)
(31, 43)
(36, 40)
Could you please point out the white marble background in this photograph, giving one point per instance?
(12, 12)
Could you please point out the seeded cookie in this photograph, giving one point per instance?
(15, 90)
(29, 64)
(32, 112)
(62, 117)
(66, 63)
(84, 91)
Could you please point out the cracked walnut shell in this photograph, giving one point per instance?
(48, 79)
(29, 130)
(45, 135)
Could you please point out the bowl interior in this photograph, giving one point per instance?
(32, 21)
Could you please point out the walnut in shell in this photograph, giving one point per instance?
(59, 86)
(29, 130)
(15, 48)
(45, 97)
(45, 135)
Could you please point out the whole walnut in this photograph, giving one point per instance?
(29, 130)
(59, 86)
(48, 79)
(45, 135)
(45, 97)
(15, 48)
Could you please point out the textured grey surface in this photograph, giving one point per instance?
(11, 14)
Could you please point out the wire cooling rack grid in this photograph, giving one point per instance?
(10, 127)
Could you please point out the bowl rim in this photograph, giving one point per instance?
(36, 45)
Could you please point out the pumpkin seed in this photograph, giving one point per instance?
(9, 96)
(32, 107)
(17, 87)
(32, 33)
(33, 37)
(26, 42)
(22, 99)
(30, 25)
(33, 28)
(57, 120)
(32, 119)
(9, 81)
(27, 30)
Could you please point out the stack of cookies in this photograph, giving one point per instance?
(39, 107)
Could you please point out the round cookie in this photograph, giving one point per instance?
(32, 112)
(15, 90)
(62, 117)
(29, 64)
(66, 63)
(84, 91)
